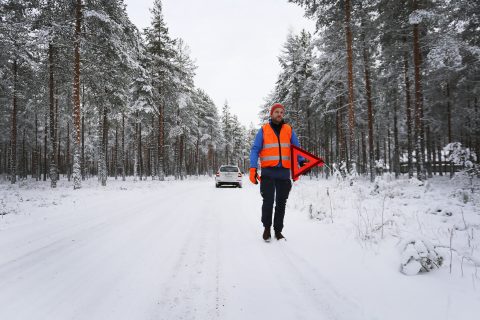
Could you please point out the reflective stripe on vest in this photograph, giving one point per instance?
(274, 158)
(275, 145)
(276, 148)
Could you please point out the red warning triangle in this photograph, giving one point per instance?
(312, 161)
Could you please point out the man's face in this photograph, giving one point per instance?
(277, 115)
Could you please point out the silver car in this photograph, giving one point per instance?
(228, 175)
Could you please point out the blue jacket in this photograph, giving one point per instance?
(277, 172)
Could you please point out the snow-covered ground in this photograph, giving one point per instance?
(186, 250)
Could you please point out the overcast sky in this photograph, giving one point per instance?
(235, 44)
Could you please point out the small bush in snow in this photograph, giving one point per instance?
(316, 213)
(460, 155)
(419, 256)
(441, 211)
(462, 195)
(464, 157)
(414, 181)
(4, 209)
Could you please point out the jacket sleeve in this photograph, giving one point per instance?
(294, 141)
(256, 148)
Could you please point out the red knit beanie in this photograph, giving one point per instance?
(276, 106)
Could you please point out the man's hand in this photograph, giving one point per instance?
(301, 163)
(254, 177)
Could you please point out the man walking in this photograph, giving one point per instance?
(272, 145)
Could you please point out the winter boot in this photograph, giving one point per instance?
(279, 235)
(267, 235)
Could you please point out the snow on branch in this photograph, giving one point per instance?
(97, 14)
(460, 155)
(445, 54)
(183, 100)
(417, 16)
(419, 256)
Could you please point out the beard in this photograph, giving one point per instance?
(277, 119)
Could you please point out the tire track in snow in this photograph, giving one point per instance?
(187, 293)
(337, 305)
(309, 295)
(94, 225)
(61, 252)
(300, 298)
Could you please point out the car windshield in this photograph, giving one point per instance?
(229, 169)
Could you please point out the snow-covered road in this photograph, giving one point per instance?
(188, 251)
(178, 250)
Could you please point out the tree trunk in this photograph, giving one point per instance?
(408, 111)
(377, 152)
(439, 157)
(433, 150)
(160, 146)
(197, 154)
(385, 156)
(82, 163)
(370, 113)
(176, 167)
(57, 134)
(343, 148)
(36, 157)
(59, 159)
(419, 131)
(309, 139)
(6, 162)
(140, 154)
(449, 114)
(210, 155)
(135, 153)
(389, 151)
(351, 101)
(69, 173)
(181, 156)
(152, 149)
(13, 137)
(123, 148)
(103, 146)
(115, 153)
(9, 151)
(429, 153)
(53, 133)
(3, 152)
(477, 129)
(77, 177)
(45, 139)
(22, 171)
(327, 145)
(338, 139)
(396, 152)
(364, 155)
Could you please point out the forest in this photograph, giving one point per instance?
(386, 86)
(85, 93)
(380, 86)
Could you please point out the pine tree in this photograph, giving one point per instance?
(76, 98)
(17, 58)
(160, 48)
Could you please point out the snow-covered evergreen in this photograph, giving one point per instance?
(141, 113)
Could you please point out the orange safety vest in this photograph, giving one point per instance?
(276, 148)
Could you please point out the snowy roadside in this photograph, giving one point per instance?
(402, 210)
(376, 227)
(30, 200)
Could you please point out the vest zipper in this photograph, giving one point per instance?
(279, 147)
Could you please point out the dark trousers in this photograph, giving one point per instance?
(274, 190)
